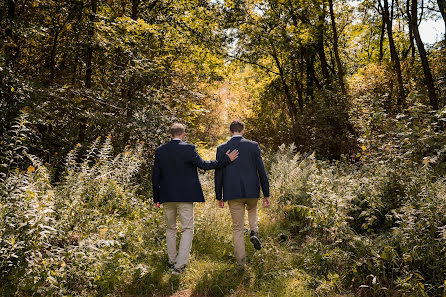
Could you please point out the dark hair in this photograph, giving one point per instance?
(237, 126)
(177, 129)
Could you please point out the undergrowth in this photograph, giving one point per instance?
(372, 228)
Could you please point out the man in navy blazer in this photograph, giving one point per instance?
(176, 185)
(239, 183)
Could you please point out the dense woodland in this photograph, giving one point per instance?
(345, 99)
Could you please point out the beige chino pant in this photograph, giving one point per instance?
(237, 209)
(185, 210)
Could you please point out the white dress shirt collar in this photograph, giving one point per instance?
(236, 136)
(176, 138)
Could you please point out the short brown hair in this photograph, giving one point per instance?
(237, 126)
(177, 129)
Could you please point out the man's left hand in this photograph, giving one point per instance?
(266, 202)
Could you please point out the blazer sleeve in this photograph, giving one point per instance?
(156, 179)
(262, 173)
(208, 165)
(218, 177)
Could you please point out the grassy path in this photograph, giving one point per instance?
(272, 271)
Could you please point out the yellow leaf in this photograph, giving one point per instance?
(31, 193)
(364, 148)
(12, 89)
(31, 169)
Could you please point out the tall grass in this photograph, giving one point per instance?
(377, 229)
(84, 235)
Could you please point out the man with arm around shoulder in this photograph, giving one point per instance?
(176, 186)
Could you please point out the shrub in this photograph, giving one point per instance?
(376, 228)
(83, 235)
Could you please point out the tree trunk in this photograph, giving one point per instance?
(323, 59)
(135, 4)
(442, 6)
(336, 49)
(297, 82)
(53, 56)
(381, 40)
(11, 8)
(309, 76)
(320, 48)
(88, 62)
(89, 54)
(11, 48)
(286, 88)
(423, 56)
(412, 45)
(393, 54)
(127, 88)
(76, 60)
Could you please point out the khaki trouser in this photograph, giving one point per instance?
(237, 209)
(186, 213)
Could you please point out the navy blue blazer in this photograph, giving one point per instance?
(175, 176)
(243, 177)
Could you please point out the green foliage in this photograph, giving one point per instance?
(81, 235)
(77, 221)
(375, 229)
(143, 71)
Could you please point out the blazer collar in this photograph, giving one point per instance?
(236, 139)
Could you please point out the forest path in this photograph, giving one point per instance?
(275, 270)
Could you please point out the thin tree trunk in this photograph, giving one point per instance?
(301, 73)
(336, 49)
(53, 56)
(442, 6)
(309, 76)
(88, 62)
(127, 88)
(135, 4)
(77, 54)
(412, 45)
(381, 40)
(11, 8)
(286, 88)
(323, 59)
(89, 54)
(297, 82)
(393, 54)
(12, 50)
(320, 48)
(423, 56)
